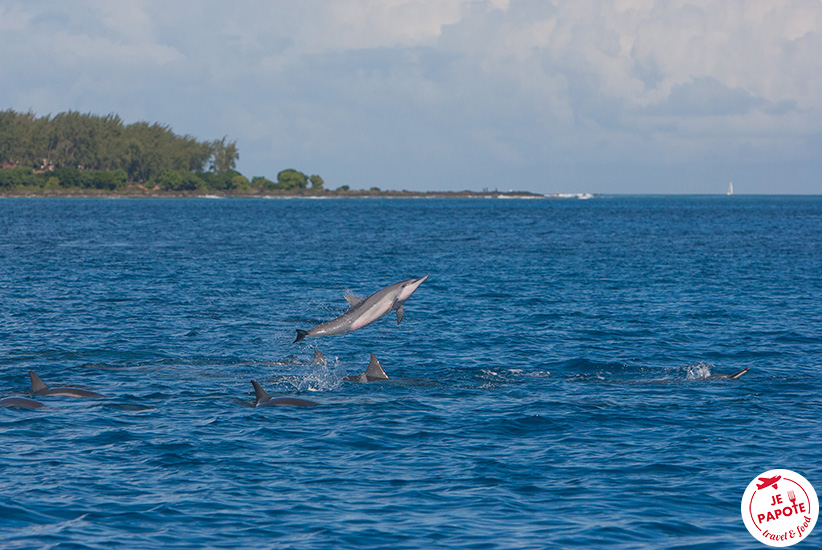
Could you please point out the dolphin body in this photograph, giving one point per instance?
(23, 402)
(363, 312)
(40, 388)
(319, 359)
(373, 373)
(733, 376)
(265, 400)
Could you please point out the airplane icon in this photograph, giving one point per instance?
(768, 481)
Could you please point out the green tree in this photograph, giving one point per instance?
(290, 180)
(240, 182)
(15, 137)
(178, 180)
(317, 182)
(104, 143)
(22, 175)
(259, 182)
(224, 156)
(110, 148)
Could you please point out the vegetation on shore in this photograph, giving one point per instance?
(79, 154)
(86, 153)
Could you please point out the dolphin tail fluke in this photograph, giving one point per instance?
(374, 370)
(37, 385)
(300, 335)
(259, 393)
(737, 374)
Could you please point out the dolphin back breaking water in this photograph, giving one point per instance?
(262, 399)
(22, 402)
(363, 312)
(38, 387)
(373, 373)
(733, 376)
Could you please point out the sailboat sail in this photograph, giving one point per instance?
(731, 188)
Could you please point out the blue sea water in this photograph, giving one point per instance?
(547, 384)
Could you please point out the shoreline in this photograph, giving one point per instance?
(139, 192)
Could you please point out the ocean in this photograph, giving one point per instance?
(549, 381)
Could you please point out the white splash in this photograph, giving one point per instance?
(698, 371)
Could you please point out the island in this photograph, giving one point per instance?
(75, 154)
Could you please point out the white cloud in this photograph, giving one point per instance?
(127, 19)
(498, 83)
(14, 19)
(357, 24)
(85, 50)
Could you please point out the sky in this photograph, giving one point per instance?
(620, 96)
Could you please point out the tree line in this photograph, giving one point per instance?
(85, 150)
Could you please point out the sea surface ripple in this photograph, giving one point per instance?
(548, 380)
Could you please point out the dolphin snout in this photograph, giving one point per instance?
(414, 285)
(409, 287)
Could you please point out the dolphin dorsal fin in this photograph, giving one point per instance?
(374, 370)
(37, 385)
(353, 301)
(260, 394)
(319, 358)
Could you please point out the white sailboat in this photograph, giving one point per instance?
(730, 188)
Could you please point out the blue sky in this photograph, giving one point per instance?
(625, 96)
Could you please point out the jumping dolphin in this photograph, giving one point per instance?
(24, 402)
(373, 373)
(39, 388)
(733, 376)
(265, 400)
(363, 312)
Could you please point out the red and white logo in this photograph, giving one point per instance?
(780, 508)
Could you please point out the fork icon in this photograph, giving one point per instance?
(792, 497)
